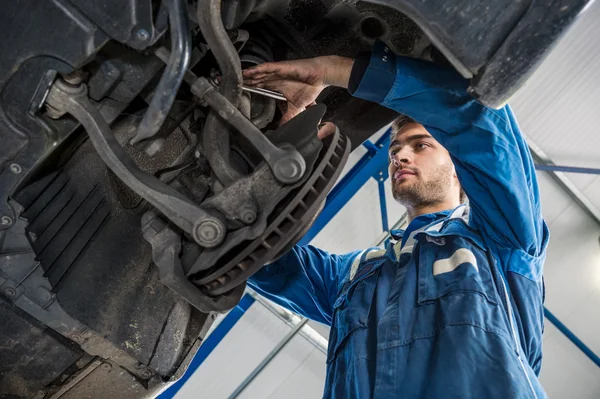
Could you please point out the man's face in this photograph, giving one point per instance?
(421, 170)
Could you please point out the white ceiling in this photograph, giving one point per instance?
(559, 107)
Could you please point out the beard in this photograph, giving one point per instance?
(419, 193)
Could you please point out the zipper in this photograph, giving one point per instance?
(514, 334)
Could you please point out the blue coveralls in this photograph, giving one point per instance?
(454, 308)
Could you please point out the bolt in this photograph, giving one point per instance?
(197, 154)
(10, 292)
(384, 58)
(289, 169)
(6, 220)
(145, 373)
(15, 168)
(247, 212)
(106, 366)
(209, 233)
(74, 78)
(53, 112)
(143, 35)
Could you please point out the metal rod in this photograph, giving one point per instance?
(400, 223)
(567, 169)
(264, 92)
(382, 202)
(288, 165)
(541, 159)
(572, 337)
(268, 359)
(164, 95)
(308, 333)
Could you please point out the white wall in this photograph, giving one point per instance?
(572, 275)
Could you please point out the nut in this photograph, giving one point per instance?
(210, 232)
(10, 292)
(54, 113)
(74, 78)
(142, 35)
(247, 213)
(5, 220)
(15, 168)
(143, 371)
(289, 169)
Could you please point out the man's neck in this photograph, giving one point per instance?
(416, 211)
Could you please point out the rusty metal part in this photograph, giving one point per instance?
(263, 187)
(166, 246)
(174, 205)
(285, 224)
(215, 136)
(287, 165)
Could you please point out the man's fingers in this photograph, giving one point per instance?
(290, 112)
(266, 68)
(258, 76)
(326, 129)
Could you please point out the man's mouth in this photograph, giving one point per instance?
(403, 174)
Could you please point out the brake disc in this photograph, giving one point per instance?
(286, 225)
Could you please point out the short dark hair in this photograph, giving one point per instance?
(399, 123)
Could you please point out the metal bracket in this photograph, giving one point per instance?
(166, 246)
(207, 229)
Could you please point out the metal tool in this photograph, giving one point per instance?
(264, 92)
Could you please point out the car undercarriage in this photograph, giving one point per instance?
(141, 185)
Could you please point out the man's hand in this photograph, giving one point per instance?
(300, 81)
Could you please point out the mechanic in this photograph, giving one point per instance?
(454, 308)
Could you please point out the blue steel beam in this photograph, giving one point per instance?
(572, 337)
(382, 203)
(210, 343)
(567, 169)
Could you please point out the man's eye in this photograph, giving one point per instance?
(421, 146)
(393, 152)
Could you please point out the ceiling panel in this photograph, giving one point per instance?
(559, 107)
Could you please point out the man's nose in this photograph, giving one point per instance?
(400, 158)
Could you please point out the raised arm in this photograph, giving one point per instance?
(492, 160)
